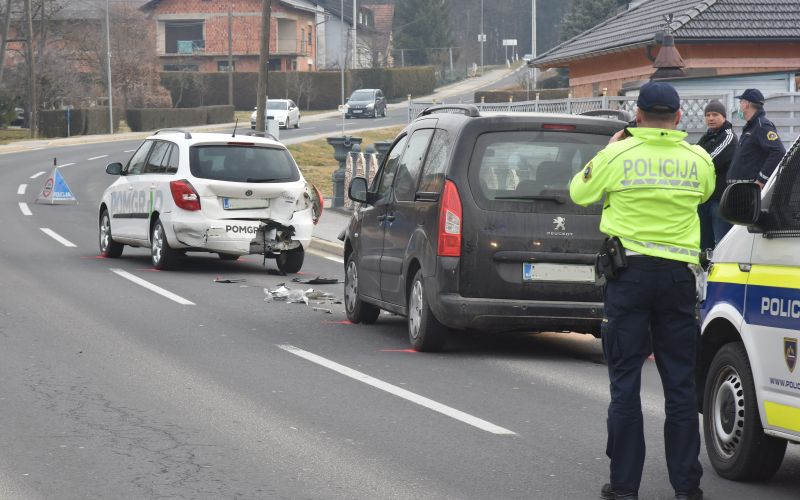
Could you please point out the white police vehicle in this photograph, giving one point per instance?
(751, 328)
(226, 194)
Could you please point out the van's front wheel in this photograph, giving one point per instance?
(735, 441)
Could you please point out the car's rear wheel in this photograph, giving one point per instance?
(357, 310)
(162, 255)
(297, 123)
(383, 112)
(108, 247)
(290, 261)
(735, 441)
(228, 256)
(424, 331)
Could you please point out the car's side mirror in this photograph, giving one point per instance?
(358, 190)
(347, 100)
(114, 168)
(741, 204)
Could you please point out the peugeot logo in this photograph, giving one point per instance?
(248, 193)
(560, 224)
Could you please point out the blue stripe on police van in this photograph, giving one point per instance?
(774, 307)
(721, 292)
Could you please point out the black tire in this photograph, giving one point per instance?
(735, 441)
(297, 124)
(357, 310)
(383, 112)
(162, 256)
(290, 261)
(346, 117)
(228, 256)
(425, 332)
(109, 248)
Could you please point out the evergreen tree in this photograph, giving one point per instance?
(584, 14)
(423, 29)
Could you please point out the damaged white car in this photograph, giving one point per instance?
(219, 193)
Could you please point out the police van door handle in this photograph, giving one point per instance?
(745, 268)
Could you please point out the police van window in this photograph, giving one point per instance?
(136, 163)
(383, 182)
(242, 163)
(154, 161)
(405, 184)
(509, 168)
(436, 163)
(784, 220)
(171, 164)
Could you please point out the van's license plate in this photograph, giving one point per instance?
(244, 203)
(532, 271)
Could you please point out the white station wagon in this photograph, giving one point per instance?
(230, 195)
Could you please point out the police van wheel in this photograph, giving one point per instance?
(108, 247)
(290, 261)
(357, 310)
(424, 331)
(228, 256)
(162, 255)
(735, 441)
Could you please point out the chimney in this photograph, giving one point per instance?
(668, 63)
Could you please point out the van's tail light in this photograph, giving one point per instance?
(184, 195)
(450, 222)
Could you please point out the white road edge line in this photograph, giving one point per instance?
(153, 288)
(49, 232)
(24, 208)
(97, 157)
(325, 255)
(37, 174)
(398, 391)
(21, 189)
(129, 151)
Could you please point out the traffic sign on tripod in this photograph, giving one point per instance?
(56, 191)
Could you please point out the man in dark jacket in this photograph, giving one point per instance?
(720, 143)
(760, 148)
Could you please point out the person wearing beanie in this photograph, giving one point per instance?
(720, 142)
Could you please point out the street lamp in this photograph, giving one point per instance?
(110, 88)
(482, 37)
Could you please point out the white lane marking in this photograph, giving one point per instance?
(154, 288)
(129, 151)
(325, 255)
(65, 165)
(398, 391)
(58, 237)
(21, 189)
(97, 157)
(24, 208)
(37, 174)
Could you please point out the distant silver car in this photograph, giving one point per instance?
(285, 111)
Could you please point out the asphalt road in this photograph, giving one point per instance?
(112, 390)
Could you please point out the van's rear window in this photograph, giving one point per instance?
(237, 163)
(515, 166)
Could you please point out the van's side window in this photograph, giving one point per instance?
(384, 181)
(785, 204)
(408, 172)
(436, 163)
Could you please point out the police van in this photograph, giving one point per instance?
(748, 371)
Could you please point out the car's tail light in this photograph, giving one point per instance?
(184, 195)
(559, 127)
(450, 222)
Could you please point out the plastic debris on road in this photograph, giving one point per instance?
(319, 280)
(297, 296)
(227, 280)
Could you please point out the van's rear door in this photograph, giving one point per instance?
(523, 236)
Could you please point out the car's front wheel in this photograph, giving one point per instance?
(357, 310)
(290, 261)
(162, 255)
(424, 331)
(108, 247)
(735, 441)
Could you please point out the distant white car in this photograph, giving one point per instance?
(527, 57)
(214, 193)
(285, 111)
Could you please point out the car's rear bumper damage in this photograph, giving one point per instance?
(240, 237)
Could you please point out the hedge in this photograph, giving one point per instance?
(192, 89)
(87, 121)
(219, 114)
(157, 118)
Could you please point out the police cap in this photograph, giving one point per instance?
(658, 96)
(752, 95)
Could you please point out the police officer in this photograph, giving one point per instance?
(760, 147)
(652, 183)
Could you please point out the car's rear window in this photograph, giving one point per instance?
(242, 163)
(277, 105)
(520, 167)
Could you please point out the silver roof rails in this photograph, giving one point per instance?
(265, 135)
(186, 134)
(468, 109)
(620, 114)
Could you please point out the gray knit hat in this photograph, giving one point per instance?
(715, 107)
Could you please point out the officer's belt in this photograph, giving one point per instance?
(657, 246)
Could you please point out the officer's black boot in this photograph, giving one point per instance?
(610, 492)
(695, 494)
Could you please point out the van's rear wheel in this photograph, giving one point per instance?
(424, 331)
(290, 261)
(735, 441)
(357, 310)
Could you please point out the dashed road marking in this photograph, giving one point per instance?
(21, 189)
(37, 174)
(65, 165)
(153, 288)
(58, 237)
(129, 151)
(398, 391)
(24, 208)
(97, 157)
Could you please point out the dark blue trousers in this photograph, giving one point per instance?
(650, 307)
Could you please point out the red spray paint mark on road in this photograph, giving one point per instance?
(399, 350)
(150, 270)
(92, 257)
(345, 322)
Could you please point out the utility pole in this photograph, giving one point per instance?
(533, 38)
(355, 37)
(230, 57)
(108, 68)
(263, 66)
(6, 29)
(33, 115)
(483, 37)
(342, 59)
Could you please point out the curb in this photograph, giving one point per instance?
(330, 247)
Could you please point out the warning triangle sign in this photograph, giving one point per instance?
(56, 191)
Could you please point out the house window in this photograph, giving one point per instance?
(294, 64)
(309, 38)
(223, 65)
(184, 37)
